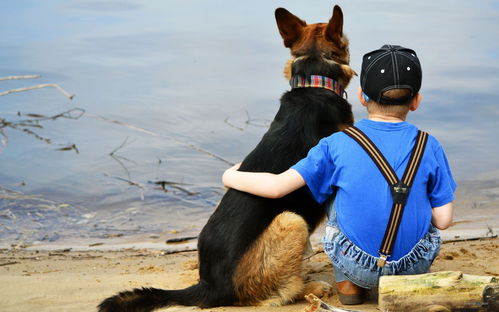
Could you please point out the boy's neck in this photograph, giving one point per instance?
(385, 118)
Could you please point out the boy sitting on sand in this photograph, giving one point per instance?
(360, 220)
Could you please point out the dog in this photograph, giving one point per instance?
(251, 248)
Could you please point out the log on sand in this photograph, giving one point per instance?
(439, 291)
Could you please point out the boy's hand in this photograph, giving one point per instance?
(227, 172)
(235, 167)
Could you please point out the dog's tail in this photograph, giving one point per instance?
(148, 299)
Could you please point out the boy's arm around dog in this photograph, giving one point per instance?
(263, 184)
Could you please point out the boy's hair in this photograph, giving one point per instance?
(399, 110)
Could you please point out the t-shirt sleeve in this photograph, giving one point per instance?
(317, 171)
(441, 185)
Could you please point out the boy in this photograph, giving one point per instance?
(340, 166)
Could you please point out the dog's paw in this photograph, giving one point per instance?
(318, 288)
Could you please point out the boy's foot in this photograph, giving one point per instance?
(349, 293)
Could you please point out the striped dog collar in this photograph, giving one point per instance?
(315, 81)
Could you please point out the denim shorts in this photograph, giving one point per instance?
(352, 263)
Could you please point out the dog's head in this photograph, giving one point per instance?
(316, 49)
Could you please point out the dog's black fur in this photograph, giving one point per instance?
(305, 116)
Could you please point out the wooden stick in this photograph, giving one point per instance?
(40, 86)
(317, 305)
(439, 291)
(9, 263)
(20, 77)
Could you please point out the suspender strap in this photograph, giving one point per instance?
(399, 188)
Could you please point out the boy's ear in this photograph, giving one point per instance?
(362, 99)
(290, 26)
(416, 100)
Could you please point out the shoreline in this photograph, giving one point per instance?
(465, 230)
(70, 280)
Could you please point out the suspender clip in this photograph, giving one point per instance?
(382, 260)
(400, 192)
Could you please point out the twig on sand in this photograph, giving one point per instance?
(317, 305)
(180, 239)
(468, 239)
(9, 263)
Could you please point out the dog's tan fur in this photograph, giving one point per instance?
(270, 272)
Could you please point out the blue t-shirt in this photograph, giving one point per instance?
(363, 199)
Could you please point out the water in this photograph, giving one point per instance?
(170, 86)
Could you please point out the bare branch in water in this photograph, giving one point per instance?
(132, 183)
(125, 143)
(74, 113)
(117, 157)
(20, 77)
(226, 120)
(175, 185)
(256, 122)
(25, 124)
(189, 145)
(69, 148)
(5, 139)
(40, 86)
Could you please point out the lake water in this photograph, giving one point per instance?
(180, 89)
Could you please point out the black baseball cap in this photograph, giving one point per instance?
(390, 67)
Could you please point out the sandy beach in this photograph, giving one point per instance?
(69, 280)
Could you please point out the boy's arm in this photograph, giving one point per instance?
(441, 217)
(263, 184)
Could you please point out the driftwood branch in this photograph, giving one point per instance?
(439, 291)
(20, 77)
(40, 86)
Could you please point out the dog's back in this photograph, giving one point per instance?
(245, 228)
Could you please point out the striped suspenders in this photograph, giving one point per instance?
(399, 188)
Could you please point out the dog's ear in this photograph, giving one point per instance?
(290, 26)
(334, 29)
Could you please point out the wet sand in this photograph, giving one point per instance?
(68, 280)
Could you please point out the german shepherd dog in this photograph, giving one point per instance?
(251, 249)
